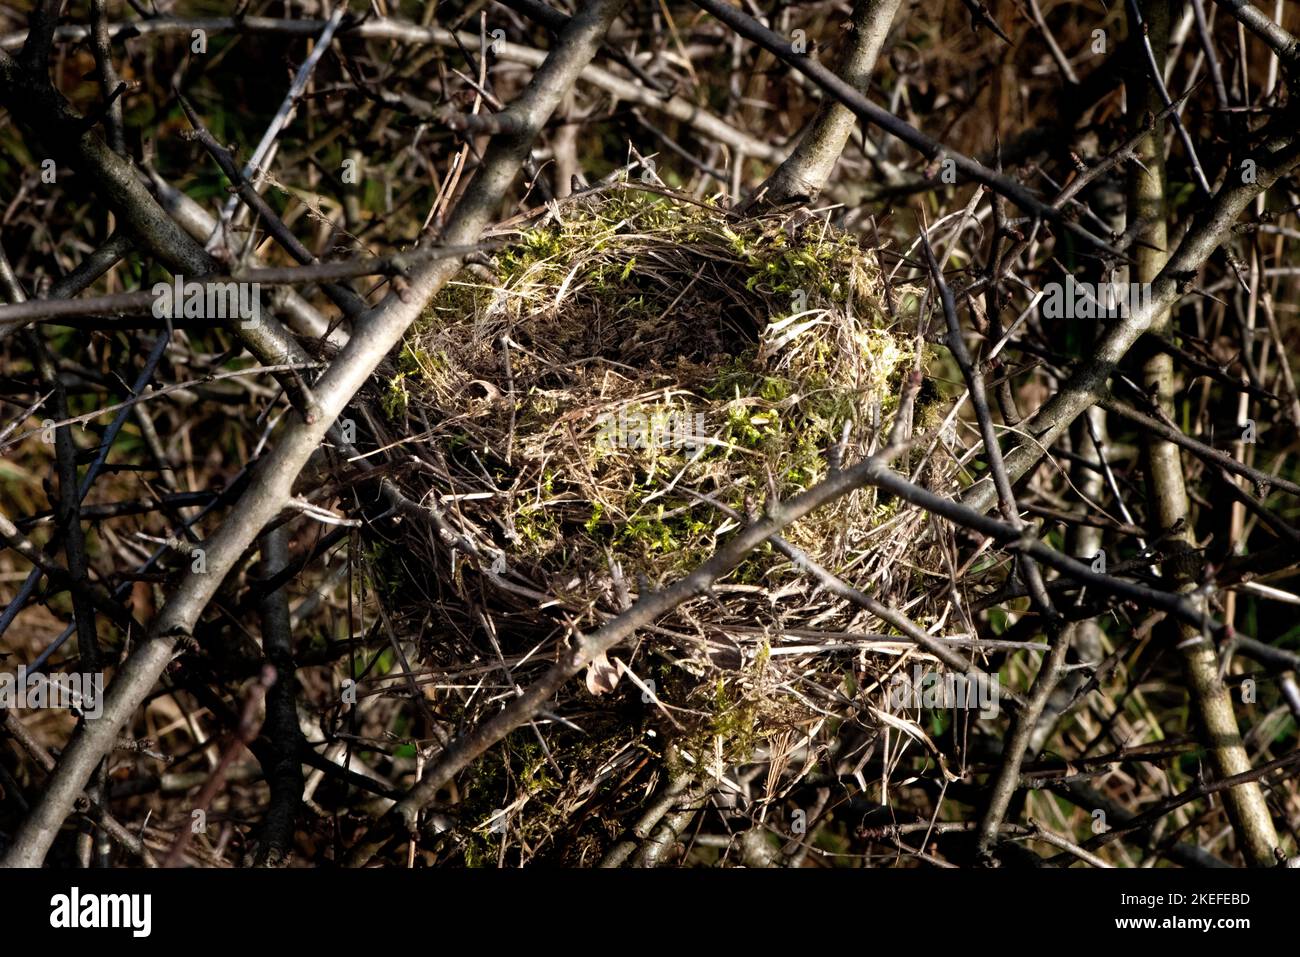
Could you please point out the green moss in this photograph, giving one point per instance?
(536, 526)
(734, 722)
(396, 399)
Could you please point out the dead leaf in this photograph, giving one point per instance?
(601, 675)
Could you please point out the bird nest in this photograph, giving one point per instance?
(589, 417)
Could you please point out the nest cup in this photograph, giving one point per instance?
(592, 414)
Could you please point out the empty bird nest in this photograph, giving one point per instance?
(589, 415)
